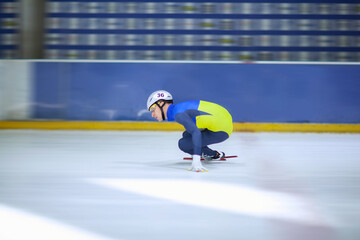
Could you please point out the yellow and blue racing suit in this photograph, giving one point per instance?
(205, 123)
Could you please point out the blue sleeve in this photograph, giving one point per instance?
(185, 119)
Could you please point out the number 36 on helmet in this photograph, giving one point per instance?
(158, 95)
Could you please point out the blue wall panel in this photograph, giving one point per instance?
(49, 95)
(252, 92)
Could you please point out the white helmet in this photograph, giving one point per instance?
(158, 95)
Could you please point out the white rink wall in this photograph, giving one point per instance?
(15, 90)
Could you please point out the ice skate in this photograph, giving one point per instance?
(218, 156)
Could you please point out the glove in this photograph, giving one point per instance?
(196, 165)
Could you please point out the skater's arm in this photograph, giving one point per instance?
(185, 119)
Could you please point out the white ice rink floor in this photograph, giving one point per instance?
(134, 186)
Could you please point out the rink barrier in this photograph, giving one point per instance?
(260, 92)
(166, 126)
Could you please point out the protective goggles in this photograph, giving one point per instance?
(152, 108)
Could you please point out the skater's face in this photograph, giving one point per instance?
(156, 112)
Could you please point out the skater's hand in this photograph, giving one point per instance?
(196, 165)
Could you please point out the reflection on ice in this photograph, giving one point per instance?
(226, 197)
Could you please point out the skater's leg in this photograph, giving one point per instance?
(210, 137)
(207, 137)
(185, 143)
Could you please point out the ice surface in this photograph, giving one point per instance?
(134, 185)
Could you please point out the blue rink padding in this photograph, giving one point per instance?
(252, 92)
